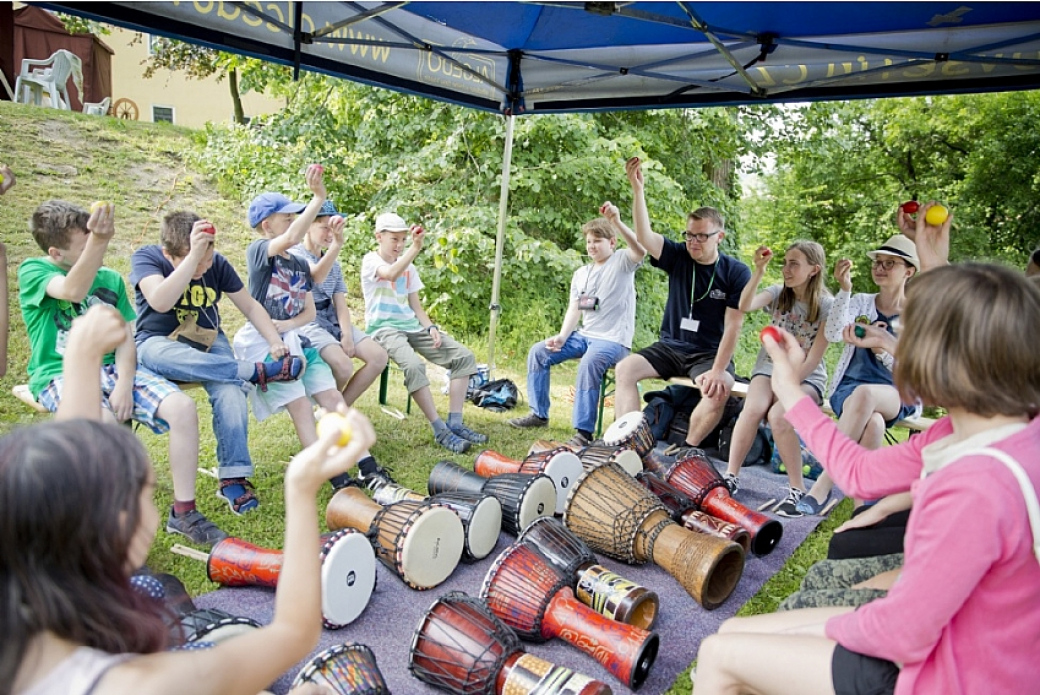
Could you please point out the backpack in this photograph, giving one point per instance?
(497, 396)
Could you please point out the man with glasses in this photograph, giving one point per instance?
(701, 321)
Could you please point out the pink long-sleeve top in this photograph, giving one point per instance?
(964, 616)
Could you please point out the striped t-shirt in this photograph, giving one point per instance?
(386, 303)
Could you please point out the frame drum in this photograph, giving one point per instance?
(633, 431)
(348, 577)
(345, 669)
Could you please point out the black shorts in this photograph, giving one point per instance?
(856, 674)
(669, 362)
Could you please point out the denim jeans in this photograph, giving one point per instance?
(597, 356)
(217, 371)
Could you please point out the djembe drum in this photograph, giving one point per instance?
(481, 515)
(524, 497)
(345, 669)
(685, 512)
(461, 647)
(532, 596)
(632, 431)
(213, 625)
(548, 445)
(560, 464)
(421, 542)
(695, 476)
(348, 571)
(597, 587)
(620, 518)
(594, 456)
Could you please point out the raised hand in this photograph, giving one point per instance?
(316, 180)
(634, 171)
(763, 255)
(326, 458)
(610, 212)
(102, 222)
(843, 274)
(418, 235)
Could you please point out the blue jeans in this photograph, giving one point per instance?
(217, 371)
(597, 356)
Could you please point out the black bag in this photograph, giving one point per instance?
(497, 396)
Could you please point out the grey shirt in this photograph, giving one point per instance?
(614, 284)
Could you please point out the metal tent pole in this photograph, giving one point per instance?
(500, 240)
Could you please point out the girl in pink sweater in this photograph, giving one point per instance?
(964, 615)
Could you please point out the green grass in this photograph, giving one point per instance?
(140, 167)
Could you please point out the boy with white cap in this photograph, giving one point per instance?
(395, 318)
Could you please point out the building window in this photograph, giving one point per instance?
(162, 114)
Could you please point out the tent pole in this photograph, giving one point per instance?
(500, 239)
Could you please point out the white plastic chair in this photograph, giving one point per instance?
(50, 76)
(99, 108)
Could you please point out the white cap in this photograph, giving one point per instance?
(390, 222)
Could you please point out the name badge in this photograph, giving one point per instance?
(688, 324)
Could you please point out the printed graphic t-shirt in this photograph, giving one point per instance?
(279, 283)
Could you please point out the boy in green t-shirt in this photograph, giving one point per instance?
(53, 291)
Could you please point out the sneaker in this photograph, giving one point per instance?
(529, 420)
(286, 369)
(468, 434)
(809, 505)
(578, 441)
(452, 442)
(732, 483)
(377, 477)
(681, 451)
(789, 507)
(238, 493)
(196, 527)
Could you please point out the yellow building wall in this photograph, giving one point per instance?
(194, 102)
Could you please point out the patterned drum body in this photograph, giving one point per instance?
(595, 456)
(235, 562)
(348, 577)
(631, 430)
(388, 493)
(448, 476)
(420, 541)
(460, 646)
(345, 669)
(559, 545)
(695, 476)
(534, 598)
(214, 626)
(706, 523)
(619, 599)
(524, 498)
(481, 517)
(527, 674)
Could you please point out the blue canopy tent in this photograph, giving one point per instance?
(520, 58)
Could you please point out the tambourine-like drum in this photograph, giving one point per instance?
(421, 542)
(685, 512)
(523, 497)
(481, 515)
(597, 587)
(348, 572)
(594, 456)
(533, 597)
(345, 669)
(560, 464)
(214, 626)
(695, 476)
(620, 518)
(631, 430)
(460, 646)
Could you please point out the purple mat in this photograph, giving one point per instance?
(389, 621)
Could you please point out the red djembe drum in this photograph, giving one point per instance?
(421, 542)
(596, 586)
(685, 512)
(345, 669)
(594, 456)
(620, 518)
(348, 571)
(560, 464)
(695, 476)
(461, 647)
(528, 593)
(481, 515)
(524, 497)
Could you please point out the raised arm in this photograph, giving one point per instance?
(74, 285)
(92, 336)
(163, 293)
(750, 298)
(647, 238)
(394, 270)
(320, 270)
(839, 317)
(610, 212)
(298, 229)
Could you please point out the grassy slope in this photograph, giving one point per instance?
(139, 167)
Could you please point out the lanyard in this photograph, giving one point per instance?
(693, 285)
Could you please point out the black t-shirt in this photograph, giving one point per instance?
(199, 298)
(714, 288)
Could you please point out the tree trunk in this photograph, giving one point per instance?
(236, 98)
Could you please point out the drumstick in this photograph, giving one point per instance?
(189, 552)
(762, 506)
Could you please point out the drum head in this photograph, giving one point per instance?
(540, 500)
(348, 577)
(484, 527)
(430, 551)
(629, 461)
(631, 429)
(564, 468)
(215, 626)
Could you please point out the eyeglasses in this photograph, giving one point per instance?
(698, 237)
(887, 265)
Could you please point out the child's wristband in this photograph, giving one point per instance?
(431, 327)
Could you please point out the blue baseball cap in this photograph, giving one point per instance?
(327, 209)
(267, 204)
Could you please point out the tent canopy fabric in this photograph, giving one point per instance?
(545, 57)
